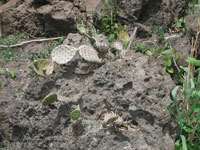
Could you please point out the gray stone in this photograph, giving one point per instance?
(137, 89)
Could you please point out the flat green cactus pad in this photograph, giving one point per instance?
(82, 29)
(43, 67)
(49, 99)
(75, 114)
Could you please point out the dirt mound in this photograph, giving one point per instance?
(41, 18)
(55, 18)
(146, 14)
(136, 89)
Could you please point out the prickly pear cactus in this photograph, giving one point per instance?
(63, 54)
(43, 67)
(89, 54)
(75, 114)
(50, 98)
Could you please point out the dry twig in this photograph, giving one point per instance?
(27, 42)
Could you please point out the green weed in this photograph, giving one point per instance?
(10, 54)
(39, 55)
(160, 34)
(193, 6)
(109, 20)
(143, 49)
(187, 114)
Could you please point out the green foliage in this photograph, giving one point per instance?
(0, 83)
(75, 114)
(187, 113)
(39, 55)
(9, 54)
(179, 26)
(13, 39)
(12, 74)
(167, 58)
(112, 37)
(143, 49)
(193, 6)
(87, 31)
(160, 34)
(108, 21)
(193, 61)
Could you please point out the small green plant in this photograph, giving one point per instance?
(143, 49)
(193, 6)
(12, 74)
(160, 34)
(108, 21)
(39, 55)
(167, 58)
(179, 26)
(187, 114)
(9, 54)
(75, 114)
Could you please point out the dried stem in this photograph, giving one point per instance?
(27, 42)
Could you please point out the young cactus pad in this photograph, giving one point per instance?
(75, 114)
(63, 54)
(49, 99)
(43, 67)
(89, 54)
(82, 29)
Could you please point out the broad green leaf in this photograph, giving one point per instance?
(75, 114)
(193, 61)
(179, 24)
(170, 70)
(30, 67)
(188, 129)
(0, 83)
(81, 28)
(167, 52)
(49, 99)
(184, 145)
(149, 53)
(106, 5)
(169, 62)
(111, 38)
(12, 74)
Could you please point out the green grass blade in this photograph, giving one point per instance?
(184, 145)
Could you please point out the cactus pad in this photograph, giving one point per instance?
(75, 114)
(63, 54)
(50, 98)
(89, 54)
(43, 67)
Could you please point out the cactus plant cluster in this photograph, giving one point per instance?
(63, 54)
